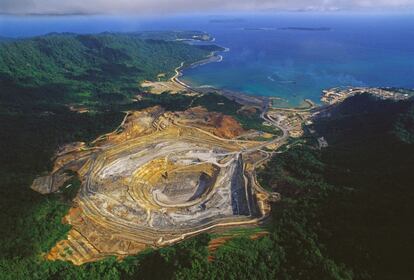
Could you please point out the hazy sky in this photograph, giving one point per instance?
(182, 6)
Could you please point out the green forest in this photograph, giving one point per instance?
(345, 213)
(87, 69)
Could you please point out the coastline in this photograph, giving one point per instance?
(261, 102)
(242, 98)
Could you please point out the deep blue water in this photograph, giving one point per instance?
(358, 50)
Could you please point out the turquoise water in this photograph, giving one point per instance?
(357, 50)
(294, 65)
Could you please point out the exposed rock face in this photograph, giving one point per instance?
(216, 123)
(44, 185)
(68, 158)
(159, 178)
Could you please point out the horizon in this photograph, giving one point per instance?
(21, 26)
(163, 7)
(216, 13)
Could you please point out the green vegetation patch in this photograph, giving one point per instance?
(350, 202)
(87, 69)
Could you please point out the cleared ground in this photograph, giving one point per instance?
(159, 178)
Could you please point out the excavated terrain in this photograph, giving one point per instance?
(159, 178)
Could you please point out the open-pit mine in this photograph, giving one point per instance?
(159, 178)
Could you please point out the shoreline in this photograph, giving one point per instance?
(263, 102)
(239, 97)
(242, 98)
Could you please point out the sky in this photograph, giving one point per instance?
(196, 6)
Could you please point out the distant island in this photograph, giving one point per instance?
(306, 28)
(288, 28)
(227, 20)
(258, 28)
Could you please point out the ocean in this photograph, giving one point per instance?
(293, 56)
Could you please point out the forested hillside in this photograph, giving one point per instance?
(353, 200)
(87, 69)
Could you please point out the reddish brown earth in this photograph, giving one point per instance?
(215, 243)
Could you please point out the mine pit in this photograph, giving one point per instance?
(159, 178)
